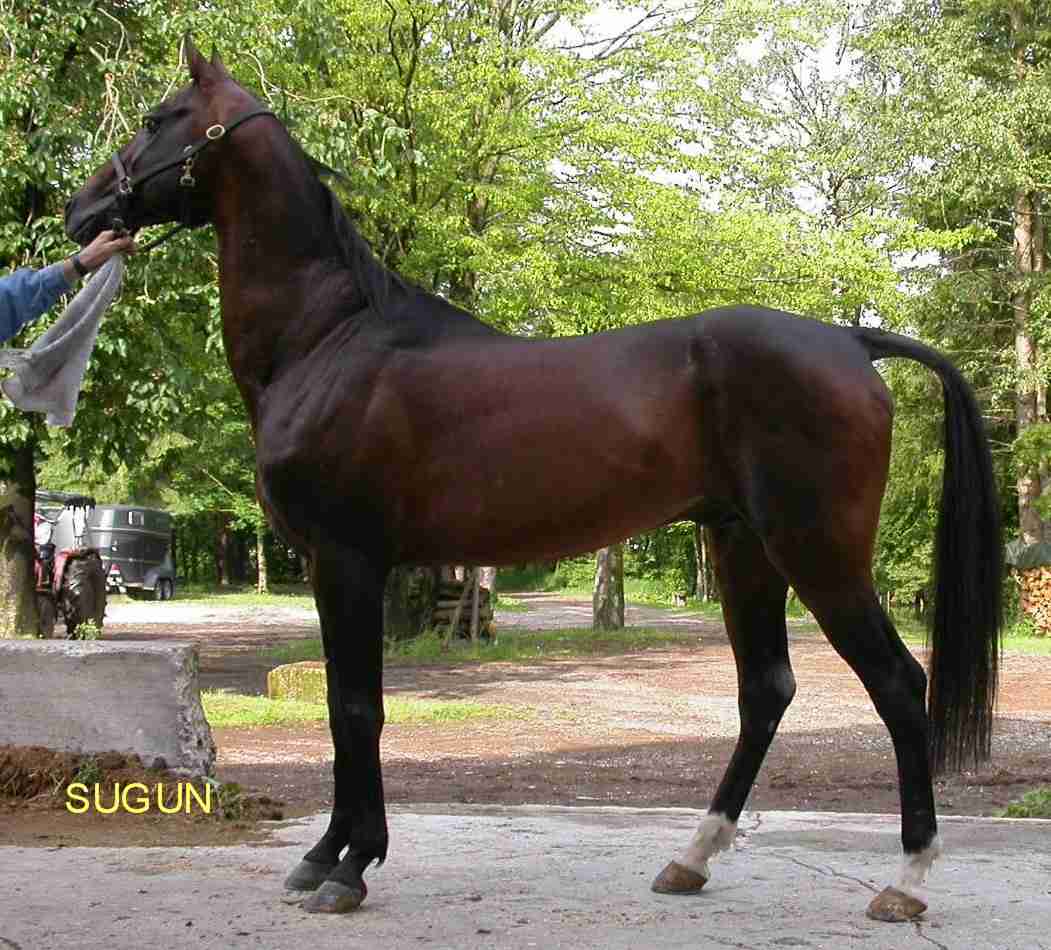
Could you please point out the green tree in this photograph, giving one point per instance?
(967, 86)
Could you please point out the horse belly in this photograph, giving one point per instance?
(547, 492)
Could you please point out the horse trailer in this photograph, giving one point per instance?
(135, 544)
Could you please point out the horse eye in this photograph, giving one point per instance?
(150, 124)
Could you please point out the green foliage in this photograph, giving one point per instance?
(1032, 451)
(959, 96)
(1035, 804)
(89, 772)
(87, 630)
(1022, 627)
(230, 798)
(561, 173)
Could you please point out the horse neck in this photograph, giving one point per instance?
(274, 251)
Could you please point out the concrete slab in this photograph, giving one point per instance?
(97, 696)
(497, 878)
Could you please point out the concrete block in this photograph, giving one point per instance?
(303, 681)
(97, 696)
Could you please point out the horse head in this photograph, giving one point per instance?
(167, 172)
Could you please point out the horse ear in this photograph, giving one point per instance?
(217, 64)
(200, 68)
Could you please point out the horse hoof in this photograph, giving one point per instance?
(308, 876)
(335, 898)
(895, 906)
(677, 879)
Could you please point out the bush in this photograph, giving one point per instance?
(1035, 804)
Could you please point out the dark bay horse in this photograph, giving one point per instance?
(374, 405)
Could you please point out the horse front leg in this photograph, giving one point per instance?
(348, 590)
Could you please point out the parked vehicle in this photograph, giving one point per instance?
(134, 543)
(70, 579)
(136, 548)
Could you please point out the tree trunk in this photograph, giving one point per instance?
(453, 629)
(476, 593)
(608, 599)
(222, 550)
(239, 567)
(700, 554)
(1029, 261)
(408, 601)
(262, 585)
(176, 552)
(18, 614)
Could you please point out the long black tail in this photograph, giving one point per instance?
(969, 566)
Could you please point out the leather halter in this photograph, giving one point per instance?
(127, 183)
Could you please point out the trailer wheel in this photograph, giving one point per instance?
(83, 592)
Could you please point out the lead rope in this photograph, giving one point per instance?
(159, 241)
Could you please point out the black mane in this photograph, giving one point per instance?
(371, 276)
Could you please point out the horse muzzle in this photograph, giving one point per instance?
(85, 221)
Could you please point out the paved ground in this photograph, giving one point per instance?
(500, 878)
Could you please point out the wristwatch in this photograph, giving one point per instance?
(78, 266)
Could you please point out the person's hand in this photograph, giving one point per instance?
(104, 247)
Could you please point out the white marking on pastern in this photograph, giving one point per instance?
(716, 833)
(915, 867)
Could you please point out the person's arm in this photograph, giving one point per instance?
(95, 254)
(27, 293)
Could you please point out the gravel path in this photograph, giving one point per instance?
(654, 727)
(174, 613)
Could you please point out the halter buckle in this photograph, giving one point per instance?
(214, 132)
(124, 186)
(187, 180)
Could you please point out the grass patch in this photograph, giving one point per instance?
(510, 604)
(514, 644)
(511, 645)
(280, 595)
(1015, 640)
(295, 651)
(1035, 804)
(225, 709)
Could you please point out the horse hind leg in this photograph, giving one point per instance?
(753, 596)
(349, 595)
(862, 633)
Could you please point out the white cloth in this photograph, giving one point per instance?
(48, 375)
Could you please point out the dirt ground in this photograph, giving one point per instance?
(651, 728)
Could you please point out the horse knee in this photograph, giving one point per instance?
(358, 717)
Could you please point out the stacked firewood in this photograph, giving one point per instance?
(457, 597)
(1036, 596)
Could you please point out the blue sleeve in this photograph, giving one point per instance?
(26, 294)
